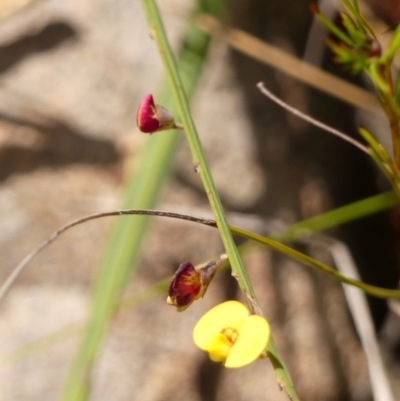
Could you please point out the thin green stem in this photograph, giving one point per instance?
(272, 243)
(334, 29)
(336, 217)
(308, 260)
(199, 161)
(200, 165)
(381, 76)
(393, 114)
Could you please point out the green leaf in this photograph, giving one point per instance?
(334, 29)
(382, 159)
(309, 261)
(336, 217)
(376, 69)
(357, 35)
(355, 10)
(393, 46)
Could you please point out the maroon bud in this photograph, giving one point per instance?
(189, 284)
(185, 286)
(152, 117)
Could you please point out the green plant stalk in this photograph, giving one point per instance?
(393, 115)
(381, 157)
(387, 99)
(334, 29)
(309, 261)
(336, 217)
(395, 133)
(393, 118)
(355, 10)
(199, 161)
(142, 191)
(200, 165)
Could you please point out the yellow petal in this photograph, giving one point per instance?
(253, 335)
(219, 348)
(228, 314)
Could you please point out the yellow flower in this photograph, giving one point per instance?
(230, 335)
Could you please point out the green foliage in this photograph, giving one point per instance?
(393, 46)
(382, 159)
(309, 261)
(361, 24)
(336, 217)
(358, 49)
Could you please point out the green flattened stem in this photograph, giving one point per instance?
(199, 161)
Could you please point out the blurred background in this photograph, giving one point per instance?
(72, 75)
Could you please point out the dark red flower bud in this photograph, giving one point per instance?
(189, 284)
(152, 117)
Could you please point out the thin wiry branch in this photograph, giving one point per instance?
(311, 120)
(18, 269)
(372, 290)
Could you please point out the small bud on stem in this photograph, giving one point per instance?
(152, 117)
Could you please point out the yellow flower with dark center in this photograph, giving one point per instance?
(231, 335)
